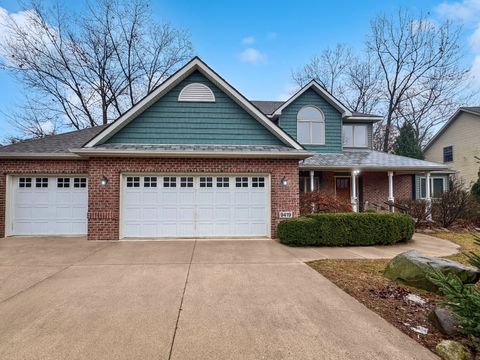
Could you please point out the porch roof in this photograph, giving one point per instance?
(368, 160)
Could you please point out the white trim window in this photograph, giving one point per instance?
(355, 136)
(310, 126)
(438, 186)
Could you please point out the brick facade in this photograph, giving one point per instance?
(375, 187)
(104, 202)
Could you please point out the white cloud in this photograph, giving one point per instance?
(25, 20)
(253, 56)
(466, 11)
(248, 40)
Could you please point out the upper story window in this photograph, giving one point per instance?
(448, 154)
(355, 136)
(196, 92)
(310, 126)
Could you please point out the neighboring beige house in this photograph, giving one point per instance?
(457, 143)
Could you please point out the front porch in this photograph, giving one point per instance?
(369, 179)
(363, 190)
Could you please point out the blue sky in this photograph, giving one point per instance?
(281, 37)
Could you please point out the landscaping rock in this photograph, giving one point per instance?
(453, 350)
(411, 268)
(443, 320)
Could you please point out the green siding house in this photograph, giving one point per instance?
(196, 158)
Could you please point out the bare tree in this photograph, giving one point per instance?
(420, 66)
(87, 70)
(328, 68)
(362, 85)
(411, 70)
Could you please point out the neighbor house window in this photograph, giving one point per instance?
(80, 182)
(355, 136)
(438, 185)
(63, 182)
(310, 126)
(448, 154)
(41, 182)
(25, 182)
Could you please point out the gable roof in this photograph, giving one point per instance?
(196, 64)
(269, 107)
(274, 108)
(474, 110)
(52, 145)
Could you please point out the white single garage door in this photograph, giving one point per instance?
(155, 206)
(49, 205)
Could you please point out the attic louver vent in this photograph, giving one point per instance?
(196, 92)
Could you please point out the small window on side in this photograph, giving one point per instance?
(448, 154)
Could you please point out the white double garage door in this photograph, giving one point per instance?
(187, 205)
(151, 206)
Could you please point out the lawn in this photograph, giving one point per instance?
(364, 280)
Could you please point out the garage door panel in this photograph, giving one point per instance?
(195, 206)
(49, 205)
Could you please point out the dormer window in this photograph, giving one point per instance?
(196, 92)
(310, 126)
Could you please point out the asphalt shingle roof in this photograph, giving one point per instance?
(54, 144)
(267, 107)
(368, 160)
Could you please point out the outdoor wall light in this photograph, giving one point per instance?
(104, 181)
(356, 172)
(284, 181)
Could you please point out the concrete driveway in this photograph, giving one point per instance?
(67, 298)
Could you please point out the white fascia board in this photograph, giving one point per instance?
(322, 92)
(195, 64)
(192, 154)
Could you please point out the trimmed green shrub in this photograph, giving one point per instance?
(346, 229)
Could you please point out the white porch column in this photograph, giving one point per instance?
(428, 197)
(391, 198)
(354, 195)
(312, 180)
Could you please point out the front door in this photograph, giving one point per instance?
(342, 188)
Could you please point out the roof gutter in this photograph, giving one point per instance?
(46, 156)
(377, 168)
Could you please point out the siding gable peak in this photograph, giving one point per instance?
(259, 129)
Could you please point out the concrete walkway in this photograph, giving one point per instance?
(67, 298)
(426, 244)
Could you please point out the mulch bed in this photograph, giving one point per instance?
(364, 280)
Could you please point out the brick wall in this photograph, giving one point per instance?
(104, 202)
(375, 187)
(50, 167)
